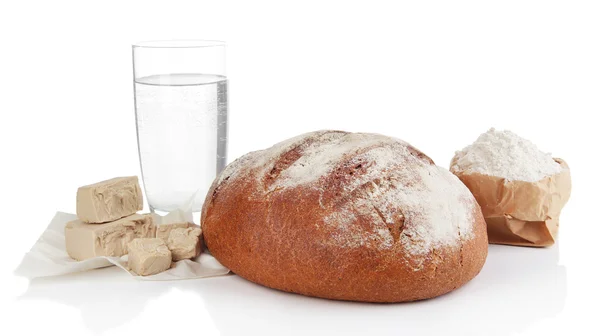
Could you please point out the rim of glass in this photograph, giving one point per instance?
(179, 44)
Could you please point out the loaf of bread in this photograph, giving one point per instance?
(348, 216)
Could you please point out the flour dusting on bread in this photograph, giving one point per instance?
(403, 197)
(322, 156)
(432, 208)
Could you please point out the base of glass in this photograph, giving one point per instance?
(162, 213)
(159, 212)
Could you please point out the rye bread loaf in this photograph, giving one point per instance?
(348, 216)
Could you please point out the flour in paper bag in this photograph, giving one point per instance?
(505, 154)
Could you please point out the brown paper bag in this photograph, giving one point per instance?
(518, 212)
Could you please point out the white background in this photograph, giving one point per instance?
(435, 74)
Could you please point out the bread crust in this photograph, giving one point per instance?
(283, 237)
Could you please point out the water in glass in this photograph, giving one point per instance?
(182, 136)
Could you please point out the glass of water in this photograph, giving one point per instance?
(181, 118)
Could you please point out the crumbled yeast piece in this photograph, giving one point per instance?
(148, 256)
(185, 243)
(164, 230)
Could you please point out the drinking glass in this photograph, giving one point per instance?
(180, 90)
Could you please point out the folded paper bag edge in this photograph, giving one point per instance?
(512, 231)
(521, 202)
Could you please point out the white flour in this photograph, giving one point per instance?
(505, 154)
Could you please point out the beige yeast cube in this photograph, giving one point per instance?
(84, 240)
(148, 256)
(164, 230)
(109, 200)
(185, 243)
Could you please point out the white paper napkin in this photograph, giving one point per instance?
(48, 257)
